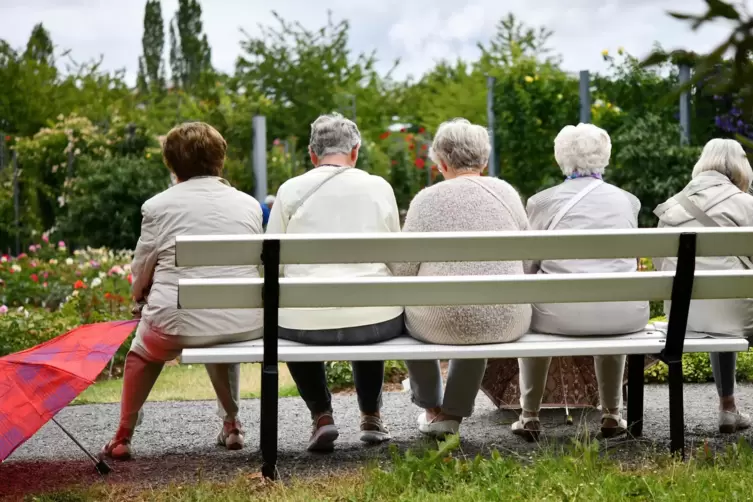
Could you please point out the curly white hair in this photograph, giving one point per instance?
(583, 150)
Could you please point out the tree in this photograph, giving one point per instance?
(514, 40)
(305, 73)
(39, 47)
(190, 54)
(151, 64)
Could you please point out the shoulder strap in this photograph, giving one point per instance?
(704, 219)
(574, 200)
(492, 193)
(311, 192)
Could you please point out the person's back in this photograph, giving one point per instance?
(464, 204)
(728, 206)
(603, 207)
(333, 199)
(199, 206)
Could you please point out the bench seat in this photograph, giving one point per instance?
(650, 341)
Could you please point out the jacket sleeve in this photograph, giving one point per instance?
(145, 256)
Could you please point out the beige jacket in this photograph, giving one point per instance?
(199, 206)
(721, 317)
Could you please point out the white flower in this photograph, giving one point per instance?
(20, 310)
(16, 267)
(96, 282)
(102, 275)
(53, 261)
(69, 261)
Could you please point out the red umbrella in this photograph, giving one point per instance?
(37, 383)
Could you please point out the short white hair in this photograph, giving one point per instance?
(461, 145)
(726, 156)
(269, 199)
(583, 149)
(332, 134)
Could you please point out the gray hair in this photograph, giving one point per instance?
(583, 149)
(332, 134)
(461, 145)
(726, 156)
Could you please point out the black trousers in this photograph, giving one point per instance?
(368, 376)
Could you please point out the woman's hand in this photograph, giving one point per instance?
(136, 310)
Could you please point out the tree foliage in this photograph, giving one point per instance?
(151, 76)
(190, 54)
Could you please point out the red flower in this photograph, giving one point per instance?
(108, 295)
(424, 147)
(384, 135)
(434, 168)
(394, 162)
(130, 278)
(421, 130)
(420, 163)
(402, 130)
(34, 277)
(8, 138)
(79, 285)
(411, 146)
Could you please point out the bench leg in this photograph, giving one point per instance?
(676, 410)
(268, 426)
(635, 395)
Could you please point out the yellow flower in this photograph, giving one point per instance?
(621, 51)
(605, 52)
(559, 96)
(528, 79)
(609, 105)
(536, 77)
(148, 155)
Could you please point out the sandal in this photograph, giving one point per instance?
(117, 449)
(529, 428)
(373, 430)
(324, 433)
(610, 432)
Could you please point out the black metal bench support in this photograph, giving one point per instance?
(270, 258)
(682, 292)
(636, 364)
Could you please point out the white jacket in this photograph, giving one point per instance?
(720, 317)
(605, 207)
(199, 206)
(353, 201)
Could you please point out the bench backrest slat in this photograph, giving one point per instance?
(220, 250)
(463, 290)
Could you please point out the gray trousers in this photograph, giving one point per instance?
(463, 383)
(724, 367)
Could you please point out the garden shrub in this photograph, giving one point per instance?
(105, 197)
(340, 373)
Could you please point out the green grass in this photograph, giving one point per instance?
(187, 383)
(581, 473)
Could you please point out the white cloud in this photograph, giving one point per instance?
(419, 32)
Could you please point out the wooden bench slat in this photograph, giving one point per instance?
(405, 348)
(210, 250)
(460, 290)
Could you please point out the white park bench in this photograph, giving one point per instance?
(272, 292)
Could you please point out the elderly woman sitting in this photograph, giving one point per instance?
(336, 197)
(717, 196)
(201, 202)
(465, 202)
(582, 201)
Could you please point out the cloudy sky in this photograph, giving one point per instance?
(419, 32)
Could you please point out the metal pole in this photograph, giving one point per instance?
(99, 464)
(685, 105)
(259, 155)
(490, 82)
(585, 97)
(16, 203)
(2, 150)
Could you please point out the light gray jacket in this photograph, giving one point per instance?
(605, 207)
(709, 191)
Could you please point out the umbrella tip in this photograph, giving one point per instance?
(103, 468)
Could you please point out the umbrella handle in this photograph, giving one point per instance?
(99, 464)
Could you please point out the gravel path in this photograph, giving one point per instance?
(175, 442)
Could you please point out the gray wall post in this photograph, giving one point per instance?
(685, 105)
(490, 81)
(259, 149)
(585, 97)
(16, 203)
